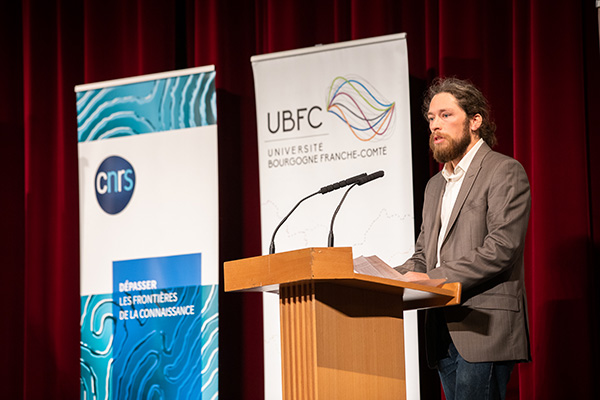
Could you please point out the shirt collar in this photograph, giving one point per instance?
(463, 164)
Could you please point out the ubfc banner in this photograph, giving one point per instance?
(149, 236)
(325, 114)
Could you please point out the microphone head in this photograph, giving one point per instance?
(370, 177)
(355, 179)
(341, 184)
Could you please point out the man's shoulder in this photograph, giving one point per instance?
(496, 156)
(496, 167)
(436, 182)
(490, 158)
(438, 177)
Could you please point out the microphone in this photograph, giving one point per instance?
(341, 184)
(370, 177)
(325, 189)
(361, 181)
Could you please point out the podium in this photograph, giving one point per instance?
(342, 333)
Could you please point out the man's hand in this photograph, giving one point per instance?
(415, 276)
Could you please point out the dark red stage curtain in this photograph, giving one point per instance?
(537, 62)
(51, 305)
(12, 202)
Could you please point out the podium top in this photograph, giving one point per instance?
(332, 265)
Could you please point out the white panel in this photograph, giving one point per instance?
(173, 210)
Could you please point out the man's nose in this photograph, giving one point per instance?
(434, 124)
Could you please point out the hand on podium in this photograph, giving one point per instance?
(374, 266)
(412, 276)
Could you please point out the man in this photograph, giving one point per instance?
(475, 216)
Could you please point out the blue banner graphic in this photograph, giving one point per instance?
(149, 340)
(147, 107)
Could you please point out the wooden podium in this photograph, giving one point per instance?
(342, 333)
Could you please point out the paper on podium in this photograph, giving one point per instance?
(375, 266)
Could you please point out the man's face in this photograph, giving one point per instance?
(450, 131)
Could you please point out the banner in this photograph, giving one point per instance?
(148, 187)
(325, 114)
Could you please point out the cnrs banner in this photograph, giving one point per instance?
(325, 114)
(149, 236)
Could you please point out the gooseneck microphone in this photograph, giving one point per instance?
(359, 182)
(369, 178)
(325, 189)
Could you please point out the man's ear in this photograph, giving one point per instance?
(475, 122)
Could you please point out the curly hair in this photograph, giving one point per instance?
(470, 99)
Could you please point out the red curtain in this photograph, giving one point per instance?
(536, 61)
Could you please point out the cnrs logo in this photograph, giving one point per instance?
(114, 184)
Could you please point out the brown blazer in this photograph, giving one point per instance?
(482, 249)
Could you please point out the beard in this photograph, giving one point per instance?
(451, 148)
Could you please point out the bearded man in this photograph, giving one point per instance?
(475, 217)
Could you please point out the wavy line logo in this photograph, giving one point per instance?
(368, 115)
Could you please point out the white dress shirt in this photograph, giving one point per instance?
(454, 181)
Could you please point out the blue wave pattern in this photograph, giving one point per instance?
(155, 358)
(97, 326)
(147, 107)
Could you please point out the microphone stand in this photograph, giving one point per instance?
(330, 238)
